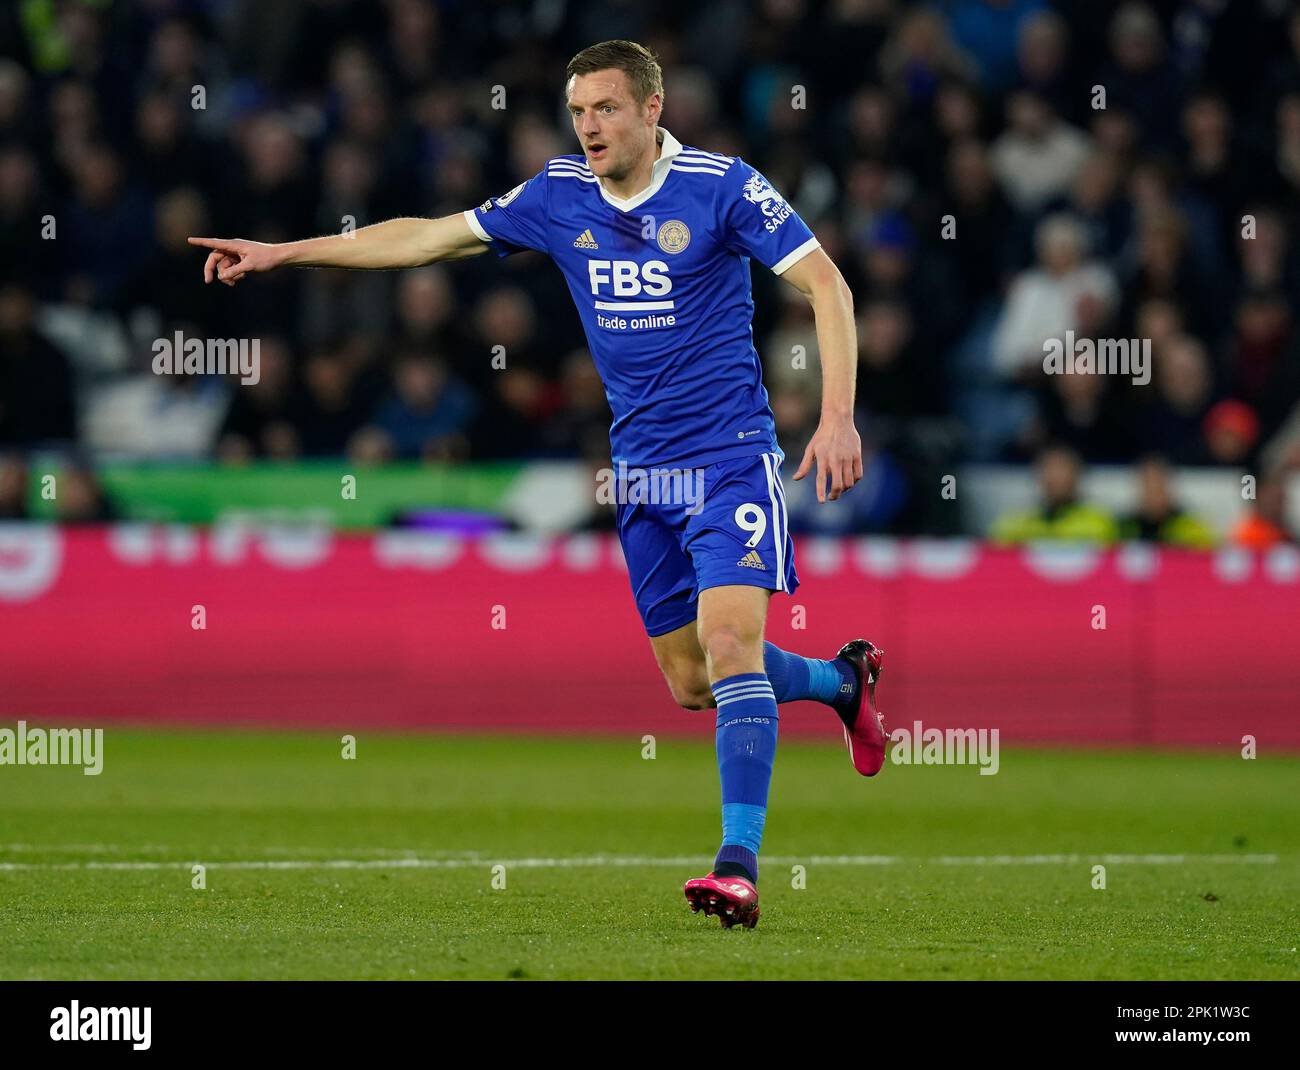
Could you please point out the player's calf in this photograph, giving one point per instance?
(681, 660)
(689, 695)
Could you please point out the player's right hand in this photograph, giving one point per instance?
(233, 258)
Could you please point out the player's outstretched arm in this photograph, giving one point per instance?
(397, 243)
(836, 448)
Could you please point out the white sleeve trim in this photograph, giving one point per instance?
(790, 259)
(471, 218)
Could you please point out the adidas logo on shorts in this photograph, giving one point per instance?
(752, 560)
(585, 240)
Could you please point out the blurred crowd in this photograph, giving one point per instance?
(1157, 516)
(988, 174)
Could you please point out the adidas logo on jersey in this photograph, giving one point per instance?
(585, 240)
(752, 560)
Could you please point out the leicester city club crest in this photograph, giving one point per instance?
(674, 236)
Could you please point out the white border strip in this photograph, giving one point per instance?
(790, 259)
(476, 226)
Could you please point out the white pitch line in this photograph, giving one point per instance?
(607, 861)
(169, 849)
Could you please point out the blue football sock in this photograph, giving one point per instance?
(794, 677)
(746, 742)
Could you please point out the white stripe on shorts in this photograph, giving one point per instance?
(785, 518)
(777, 521)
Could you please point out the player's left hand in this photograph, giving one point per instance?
(836, 449)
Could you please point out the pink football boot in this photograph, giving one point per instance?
(733, 899)
(864, 726)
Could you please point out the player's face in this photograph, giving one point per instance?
(613, 129)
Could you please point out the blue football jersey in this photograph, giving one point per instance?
(662, 284)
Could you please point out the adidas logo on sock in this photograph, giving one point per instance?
(585, 240)
(752, 560)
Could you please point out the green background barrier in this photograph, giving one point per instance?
(202, 493)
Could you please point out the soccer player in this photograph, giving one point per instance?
(654, 239)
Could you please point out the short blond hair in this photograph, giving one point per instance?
(636, 61)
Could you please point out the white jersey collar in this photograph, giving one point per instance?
(668, 149)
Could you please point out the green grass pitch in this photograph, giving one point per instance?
(382, 866)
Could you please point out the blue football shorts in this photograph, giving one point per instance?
(712, 526)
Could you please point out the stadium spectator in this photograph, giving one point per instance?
(518, 408)
(26, 257)
(1040, 155)
(1158, 517)
(991, 33)
(1042, 58)
(1061, 514)
(983, 256)
(36, 387)
(17, 113)
(157, 417)
(505, 328)
(160, 281)
(166, 153)
(919, 55)
(107, 226)
(1161, 321)
(81, 497)
(1265, 524)
(272, 193)
(13, 487)
(1046, 301)
(580, 424)
(1213, 157)
(258, 423)
(892, 266)
(328, 410)
(1265, 257)
(1161, 264)
(427, 413)
(426, 313)
(1231, 431)
(1257, 368)
(1171, 421)
(1094, 200)
(891, 390)
(1087, 413)
(1139, 74)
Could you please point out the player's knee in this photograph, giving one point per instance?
(731, 649)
